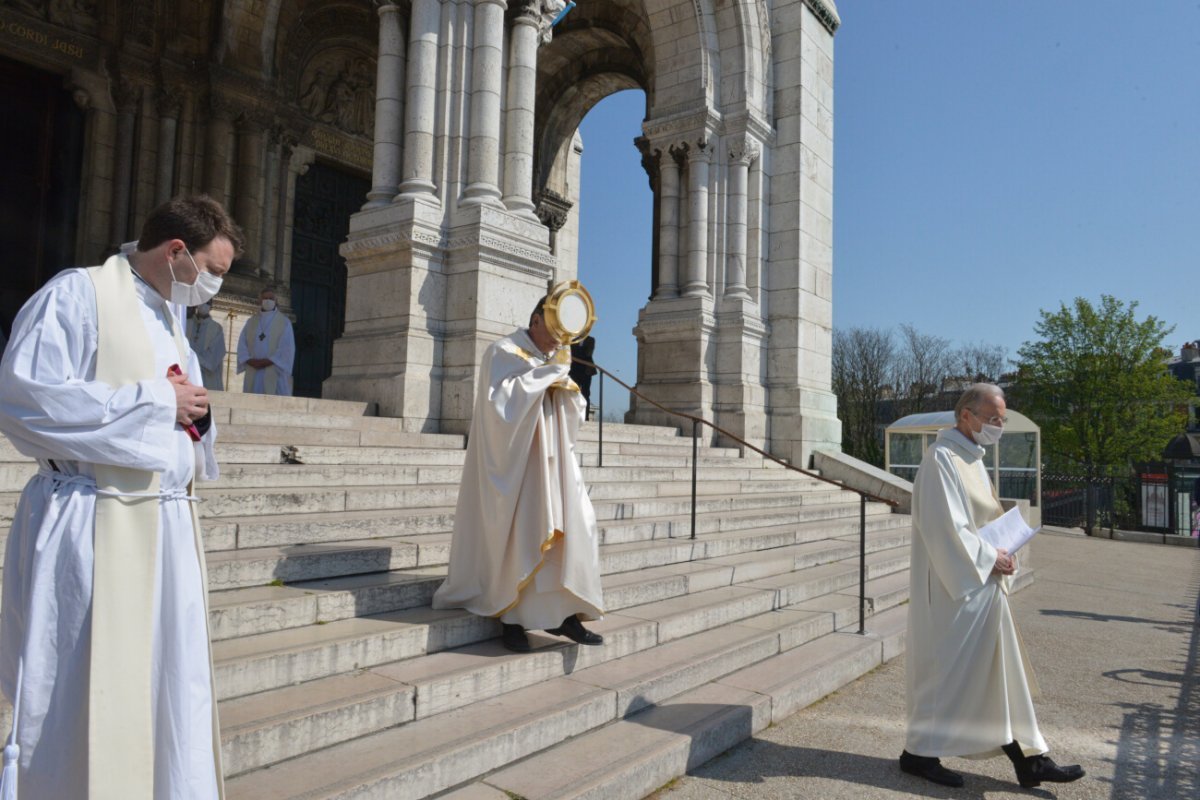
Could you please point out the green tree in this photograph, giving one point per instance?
(1096, 383)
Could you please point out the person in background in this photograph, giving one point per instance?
(582, 374)
(267, 349)
(969, 689)
(104, 643)
(207, 339)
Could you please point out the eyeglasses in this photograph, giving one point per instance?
(996, 420)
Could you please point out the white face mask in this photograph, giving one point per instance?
(988, 434)
(268, 305)
(204, 289)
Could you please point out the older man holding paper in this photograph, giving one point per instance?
(968, 681)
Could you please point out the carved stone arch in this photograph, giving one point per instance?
(682, 27)
(601, 47)
(739, 34)
(305, 29)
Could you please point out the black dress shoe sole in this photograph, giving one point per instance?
(951, 779)
(588, 638)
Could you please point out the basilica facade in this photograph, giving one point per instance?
(407, 174)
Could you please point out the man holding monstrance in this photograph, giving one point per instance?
(525, 545)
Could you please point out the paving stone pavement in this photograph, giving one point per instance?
(1113, 637)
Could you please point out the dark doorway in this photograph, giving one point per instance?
(41, 156)
(325, 199)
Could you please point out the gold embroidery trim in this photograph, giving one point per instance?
(553, 539)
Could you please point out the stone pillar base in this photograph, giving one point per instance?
(425, 300)
(674, 340)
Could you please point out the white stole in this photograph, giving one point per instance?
(120, 714)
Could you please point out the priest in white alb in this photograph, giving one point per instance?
(525, 546)
(104, 644)
(267, 349)
(969, 686)
(207, 338)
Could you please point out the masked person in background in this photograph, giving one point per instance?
(525, 545)
(207, 339)
(104, 646)
(267, 349)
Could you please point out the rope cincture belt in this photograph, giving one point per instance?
(62, 479)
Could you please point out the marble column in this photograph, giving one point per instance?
(668, 223)
(247, 205)
(126, 98)
(421, 104)
(217, 172)
(270, 220)
(169, 106)
(741, 153)
(483, 153)
(522, 86)
(696, 283)
(286, 188)
(389, 108)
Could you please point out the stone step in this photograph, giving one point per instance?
(262, 608)
(600, 482)
(341, 641)
(294, 530)
(293, 407)
(447, 742)
(342, 437)
(631, 757)
(231, 569)
(424, 757)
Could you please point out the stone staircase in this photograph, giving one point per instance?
(329, 531)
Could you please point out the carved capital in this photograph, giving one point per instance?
(679, 152)
(169, 102)
(549, 11)
(82, 98)
(126, 95)
(553, 209)
(743, 150)
(527, 12)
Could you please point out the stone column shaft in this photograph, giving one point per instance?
(483, 157)
(389, 108)
(697, 264)
(522, 87)
(248, 203)
(168, 125)
(421, 105)
(741, 156)
(216, 156)
(123, 167)
(668, 225)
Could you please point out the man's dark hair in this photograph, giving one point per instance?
(196, 219)
(539, 310)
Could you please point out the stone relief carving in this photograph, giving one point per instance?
(139, 17)
(74, 14)
(339, 89)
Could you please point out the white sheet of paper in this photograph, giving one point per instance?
(1009, 532)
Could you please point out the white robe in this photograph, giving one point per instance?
(258, 332)
(968, 691)
(525, 545)
(207, 339)
(51, 408)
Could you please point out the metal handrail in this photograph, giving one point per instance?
(697, 421)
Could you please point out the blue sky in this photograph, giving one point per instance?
(991, 159)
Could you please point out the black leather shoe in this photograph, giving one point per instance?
(930, 769)
(1033, 771)
(514, 638)
(573, 629)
